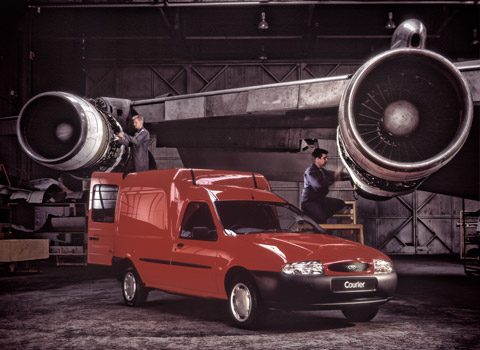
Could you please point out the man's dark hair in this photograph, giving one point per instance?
(317, 152)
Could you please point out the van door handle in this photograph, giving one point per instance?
(180, 245)
(93, 238)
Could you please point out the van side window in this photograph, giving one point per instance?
(198, 223)
(104, 202)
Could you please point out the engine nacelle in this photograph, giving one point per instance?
(404, 115)
(68, 133)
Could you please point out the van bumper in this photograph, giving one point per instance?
(324, 292)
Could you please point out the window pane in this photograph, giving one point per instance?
(243, 217)
(104, 203)
(198, 223)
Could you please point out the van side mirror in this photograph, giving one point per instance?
(203, 233)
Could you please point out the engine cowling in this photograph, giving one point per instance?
(404, 115)
(68, 133)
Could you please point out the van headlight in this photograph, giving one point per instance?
(303, 268)
(382, 266)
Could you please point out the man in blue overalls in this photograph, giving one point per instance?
(317, 180)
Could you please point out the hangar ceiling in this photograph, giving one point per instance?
(55, 40)
(229, 30)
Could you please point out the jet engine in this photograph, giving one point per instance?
(404, 115)
(68, 133)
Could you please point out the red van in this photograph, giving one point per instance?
(225, 235)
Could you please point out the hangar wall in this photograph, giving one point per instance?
(418, 223)
(37, 59)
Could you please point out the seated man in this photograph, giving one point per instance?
(317, 180)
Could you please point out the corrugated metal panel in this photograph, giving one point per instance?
(145, 81)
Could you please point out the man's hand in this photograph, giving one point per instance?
(338, 173)
(118, 136)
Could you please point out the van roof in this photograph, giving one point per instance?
(229, 193)
(183, 176)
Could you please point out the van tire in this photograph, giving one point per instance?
(134, 291)
(244, 303)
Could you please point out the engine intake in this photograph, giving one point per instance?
(65, 132)
(404, 115)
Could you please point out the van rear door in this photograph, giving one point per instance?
(102, 218)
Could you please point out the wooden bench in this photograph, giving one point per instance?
(347, 223)
(349, 213)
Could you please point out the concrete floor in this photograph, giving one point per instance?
(437, 306)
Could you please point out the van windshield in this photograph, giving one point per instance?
(243, 217)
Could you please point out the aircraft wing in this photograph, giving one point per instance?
(407, 119)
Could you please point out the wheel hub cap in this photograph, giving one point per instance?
(241, 302)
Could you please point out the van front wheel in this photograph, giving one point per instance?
(244, 303)
(134, 291)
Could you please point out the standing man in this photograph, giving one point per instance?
(139, 142)
(317, 180)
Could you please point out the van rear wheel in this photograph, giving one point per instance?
(134, 291)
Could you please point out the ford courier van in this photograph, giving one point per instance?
(225, 235)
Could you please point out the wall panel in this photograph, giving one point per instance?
(134, 81)
(416, 223)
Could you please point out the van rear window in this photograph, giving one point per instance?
(104, 202)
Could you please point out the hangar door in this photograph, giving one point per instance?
(417, 223)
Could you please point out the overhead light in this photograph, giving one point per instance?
(263, 23)
(263, 55)
(475, 37)
(390, 23)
